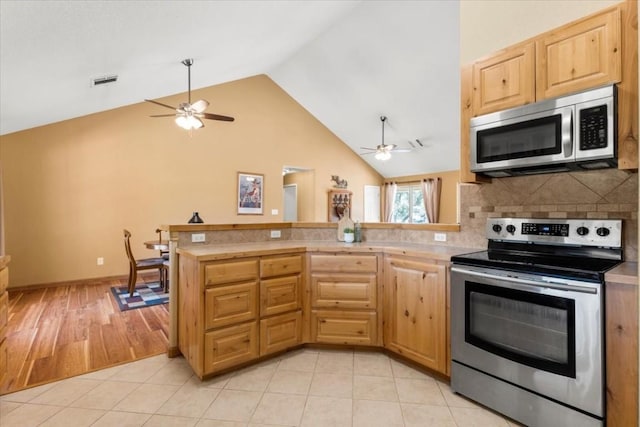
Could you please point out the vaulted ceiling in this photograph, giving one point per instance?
(346, 62)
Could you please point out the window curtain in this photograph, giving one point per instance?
(431, 189)
(390, 189)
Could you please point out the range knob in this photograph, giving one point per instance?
(602, 231)
(511, 228)
(497, 228)
(582, 231)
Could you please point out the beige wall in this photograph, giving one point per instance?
(71, 187)
(489, 25)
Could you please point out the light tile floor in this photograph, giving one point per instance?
(308, 388)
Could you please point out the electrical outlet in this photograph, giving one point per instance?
(274, 211)
(197, 238)
(440, 237)
(100, 261)
(275, 234)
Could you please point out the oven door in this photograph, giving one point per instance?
(543, 335)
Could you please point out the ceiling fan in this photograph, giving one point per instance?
(188, 116)
(383, 151)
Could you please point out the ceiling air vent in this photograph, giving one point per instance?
(104, 80)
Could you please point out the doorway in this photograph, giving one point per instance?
(290, 197)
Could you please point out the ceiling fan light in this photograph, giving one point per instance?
(383, 155)
(189, 122)
(183, 122)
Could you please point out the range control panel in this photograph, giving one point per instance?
(584, 232)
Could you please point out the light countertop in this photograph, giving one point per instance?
(237, 250)
(625, 273)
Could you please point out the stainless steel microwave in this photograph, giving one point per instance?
(574, 132)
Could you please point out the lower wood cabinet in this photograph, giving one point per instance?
(233, 311)
(344, 301)
(344, 327)
(230, 346)
(415, 311)
(622, 354)
(280, 332)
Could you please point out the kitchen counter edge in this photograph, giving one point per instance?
(241, 250)
(625, 273)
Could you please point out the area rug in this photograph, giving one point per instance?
(145, 295)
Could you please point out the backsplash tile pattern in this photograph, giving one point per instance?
(601, 194)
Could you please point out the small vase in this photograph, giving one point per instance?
(195, 219)
(348, 237)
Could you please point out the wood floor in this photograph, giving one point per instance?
(59, 332)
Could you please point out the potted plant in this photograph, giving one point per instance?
(348, 235)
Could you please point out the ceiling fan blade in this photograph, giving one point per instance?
(163, 115)
(216, 117)
(402, 150)
(199, 106)
(160, 103)
(367, 148)
(370, 152)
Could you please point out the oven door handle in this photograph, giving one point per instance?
(544, 283)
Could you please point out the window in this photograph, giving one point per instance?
(408, 206)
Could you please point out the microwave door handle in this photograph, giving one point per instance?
(567, 134)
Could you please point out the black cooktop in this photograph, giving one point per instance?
(576, 266)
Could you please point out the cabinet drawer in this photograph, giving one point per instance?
(343, 290)
(344, 263)
(280, 295)
(228, 272)
(280, 332)
(230, 346)
(4, 279)
(225, 305)
(280, 266)
(344, 327)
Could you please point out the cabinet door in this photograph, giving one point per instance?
(622, 354)
(3, 361)
(578, 56)
(280, 295)
(280, 332)
(504, 80)
(225, 305)
(343, 290)
(344, 327)
(230, 346)
(415, 311)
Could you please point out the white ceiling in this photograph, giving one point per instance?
(347, 62)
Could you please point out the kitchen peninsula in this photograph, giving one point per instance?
(241, 302)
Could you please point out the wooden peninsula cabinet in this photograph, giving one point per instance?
(416, 299)
(344, 299)
(234, 311)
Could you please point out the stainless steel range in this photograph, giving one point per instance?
(527, 319)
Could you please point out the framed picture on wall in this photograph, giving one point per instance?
(250, 193)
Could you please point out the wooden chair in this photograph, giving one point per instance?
(143, 264)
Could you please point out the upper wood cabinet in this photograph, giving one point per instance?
(582, 55)
(504, 80)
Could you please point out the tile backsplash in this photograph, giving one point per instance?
(601, 194)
